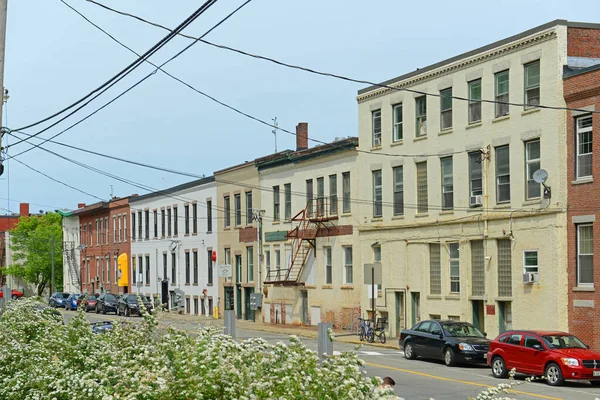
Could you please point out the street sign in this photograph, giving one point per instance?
(224, 270)
(369, 273)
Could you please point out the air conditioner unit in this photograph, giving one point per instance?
(476, 201)
(528, 278)
(377, 141)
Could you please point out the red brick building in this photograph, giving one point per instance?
(582, 91)
(7, 222)
(104, 232)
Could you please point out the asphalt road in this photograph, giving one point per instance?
(416, 379)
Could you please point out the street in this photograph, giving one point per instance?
(416, 379)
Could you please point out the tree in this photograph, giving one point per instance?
(31, 243)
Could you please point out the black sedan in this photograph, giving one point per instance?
(452, 341)
(128, 305)
(106, 302)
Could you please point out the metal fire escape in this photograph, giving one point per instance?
(312, 222)
(74, 270)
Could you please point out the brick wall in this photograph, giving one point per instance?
(582, 91)
(583, 42)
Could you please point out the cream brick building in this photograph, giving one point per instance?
(461, 228)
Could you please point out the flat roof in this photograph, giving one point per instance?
(183, 186)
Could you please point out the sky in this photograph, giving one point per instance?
(54, 57)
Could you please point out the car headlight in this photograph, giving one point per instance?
(571, 362)
(465, 346)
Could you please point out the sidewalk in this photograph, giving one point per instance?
(300, 331)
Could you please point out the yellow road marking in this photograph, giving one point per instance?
(408, 371)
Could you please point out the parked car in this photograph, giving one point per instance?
(452, 341)
(555, 355)
(72, 302)
(106, 302)
(58, 299)
(14, 294)
(128, 305)
(90, 303)
(101, 327)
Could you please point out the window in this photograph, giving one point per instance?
(477, 268)
(210, 268)
(147, 224)
(277, 260)
(163, 229)
(502, 174)
(585, 255)
(532, 164)
(147, 269)
(169, 222)
(133, 271)
(122, 219)
(250, 263)
(125, 228)
(140, 226)
(504, 268)
(377, 259)
(584, 147)
(422, 198)
(238, 268)
(227, 256)
(227, 211)
(347, 265)
(398, 190)
(106, 231)
(501, 88)
(141, 269)
(531, 341)
(435, 269)
(208, 216)
(454, 268)
(447, 184)
(397, 129)
(132, 224)
(249, 213)
(116, 269)
(237, 204)
(175, 221)
(186, 216)
(475, 175)
(276, 203)
(114, 229)
(515, 339)
(530, 262)
(376, 127)
(377, 195)
(309, 196)
(91, 234)
(421, 116)
(268, 264)
(173, 267)
(446, 109)
(320, 196)
(333, 195)
(346, 192)
(475, 101)
(165, 274)
(187, 267)
(328, 265)
(532, 84)
(155, 215)
(195, 266)
(288, 201)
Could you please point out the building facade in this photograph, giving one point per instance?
(8, 222)
(461, 221)
(173, 239)
(309, 237)
(71, 251)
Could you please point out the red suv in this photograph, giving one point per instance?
(555, 355)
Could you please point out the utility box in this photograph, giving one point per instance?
(255, 301)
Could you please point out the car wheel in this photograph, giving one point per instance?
(14, 297)
(554, 375)
(409, 351)
(499, 368)
(449, 358)
(103, 310)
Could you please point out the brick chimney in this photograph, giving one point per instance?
(80, 205)
(302, 136)
(24, 209)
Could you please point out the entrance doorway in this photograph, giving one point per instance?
(478, 314)
(399, 312)
(415, 307)
(304, 306)
(238, 300)
(164, 294)
(249, 312)
(504, 316)
(228, 299)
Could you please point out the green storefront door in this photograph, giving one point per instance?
(249, 312)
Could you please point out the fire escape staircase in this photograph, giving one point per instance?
(311, 222)
(74, 271)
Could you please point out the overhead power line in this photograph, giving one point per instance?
(333, 75)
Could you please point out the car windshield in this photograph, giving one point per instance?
(110, 297)
(132, 298)
(91, 297)
(462, 330)
(564, 342)
(63, 295)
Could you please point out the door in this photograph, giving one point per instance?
(249, 312)
(504, 316)
(434, 344)
(304, 307)
(416, 307)
(238, 300)
(399, 313)
(420, 339)
(478, 314)
(512, 351)
(164, 293)
(532, 360)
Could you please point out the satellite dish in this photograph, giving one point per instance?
(540, 176)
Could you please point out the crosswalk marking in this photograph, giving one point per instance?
(367, 353)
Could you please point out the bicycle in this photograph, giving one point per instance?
(379, 330)
(364, 328)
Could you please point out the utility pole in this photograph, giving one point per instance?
(52, 275)
(3, 10)
(257, 216)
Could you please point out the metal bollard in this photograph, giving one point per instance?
(229, 318)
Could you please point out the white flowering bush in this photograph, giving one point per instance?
(42, 358)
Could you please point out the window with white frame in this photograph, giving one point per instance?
(124, 227)
(309, 197)
(155, 221)
(377, 195)
(348, 278)
(454, 268)
(585, 255)
(320, 196)
(422, 195)
(447, 183)
(584, 147)
(376, 127)
(502, 174)
(186, 216)
(120, 232)
(249, 213)
(398, 190)
(377, 259)
(227, 211)
(421, 116)
(268, 263)
(287, 188)
(237, 204)
(250, 263)
(333, 206)
(475, 174)
(475, 101)
(114, 229)
(397, 121)
(328, 265)
(446, 109)
(530, 262)
(276, 203)
(532, 84)
(163, 226)
(501, 93)
(346, 192)
(532, 164)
